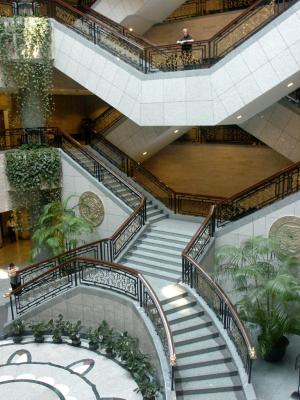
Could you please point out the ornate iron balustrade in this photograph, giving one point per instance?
(232, 134)
(14, 138)
(265, 192)
(196, 8)
(80, 271)
(107, 120)
(107, 249)
(147, 58)
(182, 203)
(197, 278)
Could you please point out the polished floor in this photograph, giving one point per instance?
(17, 253)
(214, 169)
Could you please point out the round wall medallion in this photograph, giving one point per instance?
(287, 231)
(91, 208)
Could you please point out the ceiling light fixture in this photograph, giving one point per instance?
(290, 84)
(131, 29)
(145, 153)
(239, 117)
(176, 131)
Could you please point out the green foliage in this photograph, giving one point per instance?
(58, 229)
(57, 328)
(33, 168)
(17, 328)
(73, 329)
(268, 291)
(38, 328)
(25, 61)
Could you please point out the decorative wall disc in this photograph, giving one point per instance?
(91, 208)
(287, 230)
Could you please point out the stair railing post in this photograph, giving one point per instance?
(11, 307)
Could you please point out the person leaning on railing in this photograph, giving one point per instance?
(186, 47)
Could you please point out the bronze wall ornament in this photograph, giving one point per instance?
(287, 230)
(91, 208)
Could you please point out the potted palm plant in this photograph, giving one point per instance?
(38, 331)
(16, 330)
(267, 291)
(73, 330)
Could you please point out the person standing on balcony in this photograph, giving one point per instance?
(14, 277)
(186, 48)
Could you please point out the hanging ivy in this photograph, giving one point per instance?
(26, 62)
(34, 175)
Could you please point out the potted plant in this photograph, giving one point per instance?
(16, 330)
(73, 330)
(147, 388)
(38, 331)
(107, 339)
(57, 329)
(267, 290)
(93, 337)
(125, 346)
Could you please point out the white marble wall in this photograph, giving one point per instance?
(5, 201)
(138, 14)
(134, 140)
(77, 181)
(247, 81)
(258, 223)
(279, 127)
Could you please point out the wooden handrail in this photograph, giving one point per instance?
(118, 267)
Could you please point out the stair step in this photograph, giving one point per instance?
(155, 249)
(207, 361)
(167, 238)
(177, 234)
(207, 346)
(177, 297)
(203, 387)
(235, 395)
(206, 371)
(160, 243)
(174, 319)
(185, 305)
(138, 258)
(195, 337)
(157, 258)
(194, 326)
(150, 271)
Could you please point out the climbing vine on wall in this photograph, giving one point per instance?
(26, 62)
(34, 175)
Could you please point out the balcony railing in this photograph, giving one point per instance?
(97, 273)
(181, 203)
(148, 58)
(194, 275)
(196, 8)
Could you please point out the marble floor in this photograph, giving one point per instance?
(214, 169)
(17, 252)
(48, 371)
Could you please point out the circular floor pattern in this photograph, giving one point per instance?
(47, 371)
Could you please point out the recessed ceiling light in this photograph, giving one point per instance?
(145, 153)
(118, 58)
(131, 29)
(290, 84)
(176, 131)
(239, 117)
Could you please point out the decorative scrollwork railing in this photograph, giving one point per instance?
(80, 271)
(148, 58)
(107, 249)
(182, 203)
(196, 8)
(194, 275)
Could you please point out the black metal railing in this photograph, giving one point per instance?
(14, 138)
(181, 203)
(148, 58)
(194, 275)
(107, 249)
(97, 273)
(231, 134)
(107, 120)
(196, 8)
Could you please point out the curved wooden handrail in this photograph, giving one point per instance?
(216, 287)
(118, 267)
